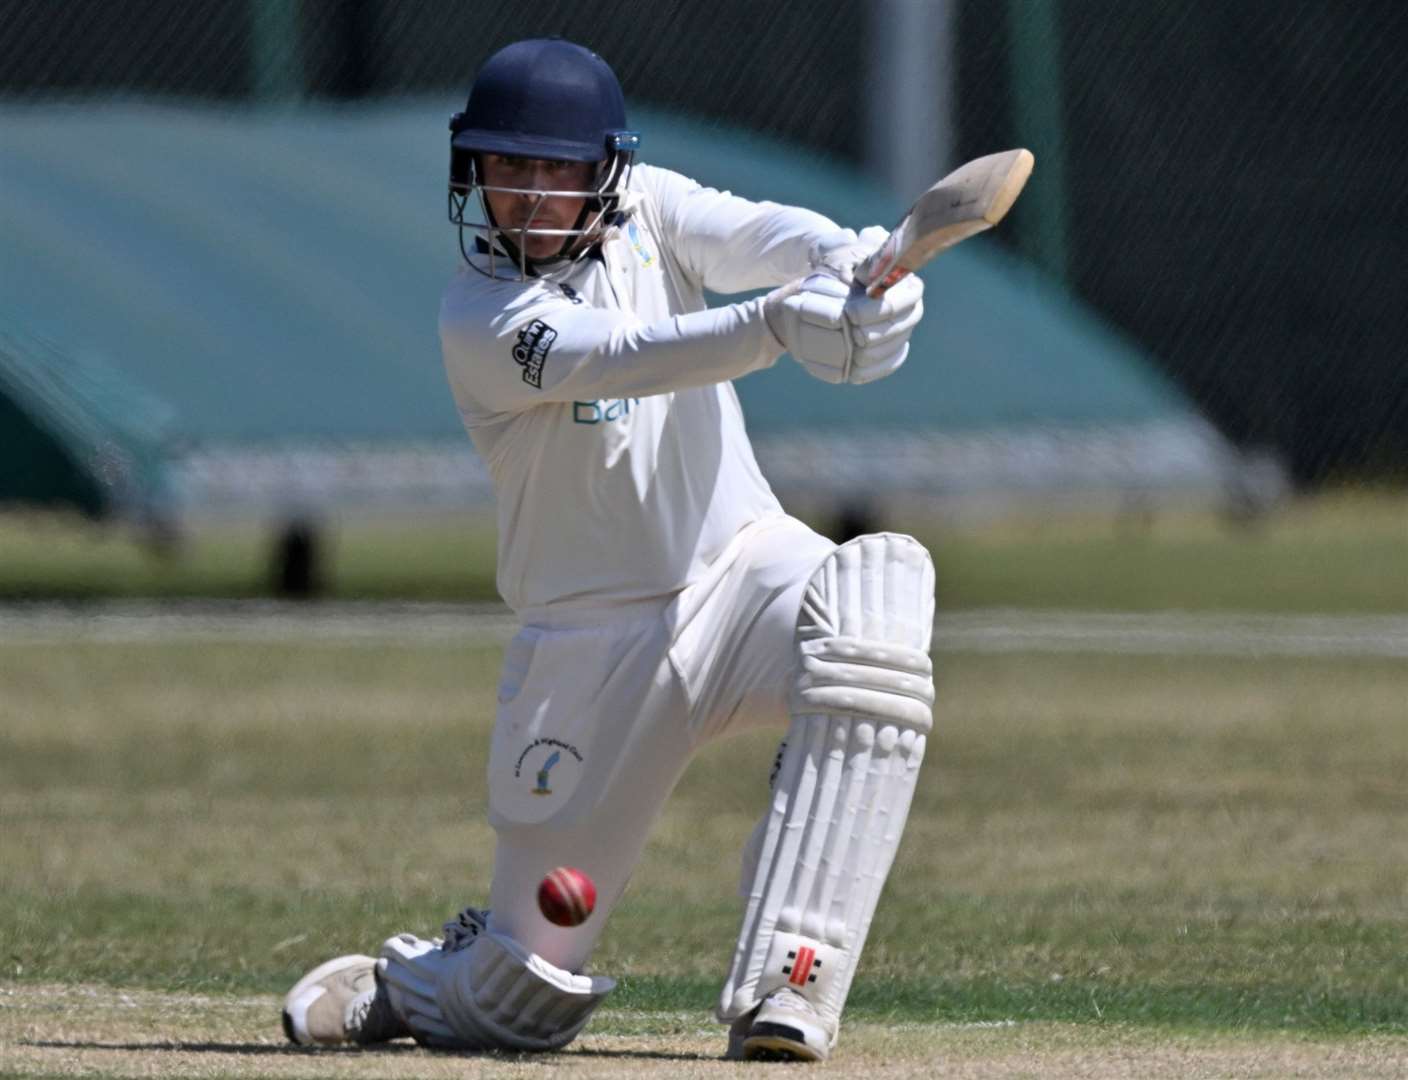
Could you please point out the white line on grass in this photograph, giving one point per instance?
(993, 630)
(1179, 633)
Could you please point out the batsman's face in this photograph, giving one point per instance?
(530, 210)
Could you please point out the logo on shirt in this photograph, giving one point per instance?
(601, 411)
(642, 252)
(531, 352)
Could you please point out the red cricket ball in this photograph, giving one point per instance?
(566, 896)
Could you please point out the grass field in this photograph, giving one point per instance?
(1116, 866)
(1345, 552)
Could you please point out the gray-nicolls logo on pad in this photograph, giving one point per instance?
(534, 341)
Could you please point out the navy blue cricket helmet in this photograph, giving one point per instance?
(543, 98)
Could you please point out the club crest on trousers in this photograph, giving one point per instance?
(548, 766)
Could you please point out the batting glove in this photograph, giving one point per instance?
(840, 335)
(839, 253)
(880, 328)
(809, 318)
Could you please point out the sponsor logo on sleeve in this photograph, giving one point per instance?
(531, 352)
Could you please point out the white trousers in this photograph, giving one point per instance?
(599, 713)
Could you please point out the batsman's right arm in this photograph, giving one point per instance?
(549, 350)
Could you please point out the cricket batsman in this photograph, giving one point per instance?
(664, 596)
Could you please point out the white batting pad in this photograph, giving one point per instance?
(492, 994)
(862, 706)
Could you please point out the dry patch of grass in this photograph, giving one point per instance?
(55, 1031)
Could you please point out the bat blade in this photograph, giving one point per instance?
(972, 198)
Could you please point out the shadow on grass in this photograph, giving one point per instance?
(289, 1050)
(645, 1055)
(251, 1049)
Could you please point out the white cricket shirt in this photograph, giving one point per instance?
(599, 398)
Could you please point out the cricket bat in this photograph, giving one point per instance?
(973, 197)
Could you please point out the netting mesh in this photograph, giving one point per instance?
(1224, 182)
(1233, 187)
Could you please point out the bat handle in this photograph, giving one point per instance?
(877, 289)
(880, 269)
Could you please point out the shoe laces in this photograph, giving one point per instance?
(461, 931)
(358, 1009)
(371, 1018)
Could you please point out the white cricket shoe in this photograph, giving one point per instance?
(785, 1027)
(341, 1002)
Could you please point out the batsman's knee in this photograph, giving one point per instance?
(864, 632)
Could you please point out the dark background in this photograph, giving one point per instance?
(1234, 170)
